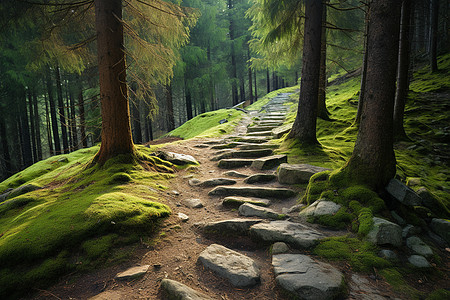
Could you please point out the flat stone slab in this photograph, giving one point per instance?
(239, 269)
(251, 210)
(418, 246)
(193, 203)
(268, 123)
(236, 201)
(260, 128)
(177, 290)
(252, 139)
(259, 192)
(259, 178)
(260, 133)
(240, 226)
(402, 193)
(258, 146)
(177, 158)
(385, 232)
(269, 162)
(278, 132)
(230, 163)
(297, 173)
(234, 174)
(307, 278)
(295, 234)
(211, 182)
(254, 153)
(109, 295)
(133, 272)
(321, 208)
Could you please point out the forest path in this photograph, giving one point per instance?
(175, 251)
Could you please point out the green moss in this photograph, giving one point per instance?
(121, 177)
(339, 220)
(439, 295)
(395, 279)
(99, 247)
(365, 219)
(360, 255)
(264, 100)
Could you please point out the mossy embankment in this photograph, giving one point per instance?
(78, 216)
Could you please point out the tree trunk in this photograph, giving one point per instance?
(242, 89)
(363, 68)
(250, 77)
(234, 88)
(62, 114)
(32, 126)
(74, 121)
(5, 147)
(256, 86)
(27, 155)
(116, 128)
(188, 102)
(268, 80)
(322, 111)
(401, 93)
(373, 160)
(169, 101)
(82, 114)
(274, 81)
(434, 13)
(136, 121)
(54, 120)
(49, 130)
(37, 122)
(304, 127)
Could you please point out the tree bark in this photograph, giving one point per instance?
(434, 13)
(54, 120)
(188, 102)
(322, 111)
(373, 160)
(5, 147)
(364, 67)
(268, 80)
(304, 127)
(401, 93)
(49, 130)
(37, 122)
(234, 88)
(256, 86)
(73, 124)
(27, 154)
(62, 113)
(250, 78)
(32, 126)
(82, 114)
(116, 128)
(136, 121)
(169, 101)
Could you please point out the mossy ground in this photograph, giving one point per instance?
(78, 216)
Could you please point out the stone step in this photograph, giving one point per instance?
(267, 123)
(260, 133)
(236, 201)
(278, 132)
(273, 119)
(260, 128)
(239, 269)
(231, 145)
(259, 146)
(211, 182)
(177, 290)
(230, 163)
(250, 210)
(296, 234)
(269, 162)
(259, 192)
(243, 154)
(252, 139)
(231, 226)
(259, 178)
(297, 173)
(236, 174)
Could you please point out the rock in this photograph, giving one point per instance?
(292, 209)
(259, 192)
(235, 174)
(388, 254)
(278, 132)
(269, 162)
(413, 181)
(418, 246)
(428, 199)
(278, 248)
(193, 203)
(177, 158)
(442, 228)
(419, 261)
(306, 278)
(231, 163)
(201, 146)
(23, 189)
(402, 193)
(237, 201)
(362, 289)
(320, 208)
(243, 154)
(295, 234)
(212, 182)
(260, 128)
(385, 232)
(194, 181)
(258, 146)
(261, 133)
(397, 218)
(176, 193)
(239, 269)
(133, 272)
(297, 173)
(178, 291)
(251, 139)
(109, 295)
(250, 210)
(257, 178)
(231, 226)
(410, 230)
(183, 217)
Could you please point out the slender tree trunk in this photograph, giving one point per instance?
(274, 81)
(62, 114)
(242, 89)
(82, 114)
(5, 147)
(268, 80)
(234, 88)
(74, 120)
(434, 13)
(401, 93)
(27, 154)
(32, 125)
(322, 111)
(188, 101)
(37, 122)
(116, 128)
(49, 130)
(373, 161)
(250, 77)
(136, 121)
(169, 101)
(54, 120)
(364, 67)
(304, 127)
(256, 86)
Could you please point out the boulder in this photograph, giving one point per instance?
(297, 173)
(306, 278)
(410, 230)
(295, 234)
(133, 272)
(388, 254)
(239, 269)
(240, 226)
(258, 178)
(429, 200)
(269, 162)
(419, 261)
(384, 232)
(418, 246)
(278, 248)
(259, 192)
(442, 228)
(177, 158)
(402, 193)
(236, 201)
(193, 203)
(178, 291)
(320, 208)
(250, 210)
